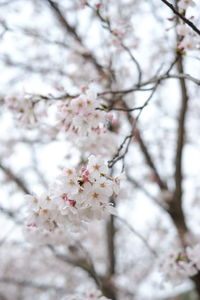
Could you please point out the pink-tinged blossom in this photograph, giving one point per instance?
(110, 117)
(78, 105)
(99, 143)
(189, 42)
(106, 187)
(32, 200)
(23, 109)
(182, 29)
(96, 166)
(86, 123)
(176, 266)
(193, 254)
(85, 174)
(82, 111)
(76, 198)
(96, 196)
(188, 39)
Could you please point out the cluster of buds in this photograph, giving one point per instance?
(75, 199)
(86, 122)
(84, 115)
(23, 109)
(181, 264)
(188, 39)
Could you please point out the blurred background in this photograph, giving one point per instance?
(128, 51)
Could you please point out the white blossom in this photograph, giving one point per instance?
(189, 42)
(176, 266)
(193, 254)
(76, 198)
(23, 109)
(86, 123)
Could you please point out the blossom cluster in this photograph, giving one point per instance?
(104, 143)
(86, 121)
(23, 109)
(188, 39)
(84, 114)
(76, 198)
(94, 295)
(181, 264)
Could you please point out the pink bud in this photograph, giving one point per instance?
(110, 117)
(65, 197)
(85, 174)
(98, 5)
(115, 122)
(32, 225)
(71, 202)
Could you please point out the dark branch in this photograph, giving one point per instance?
(181, 16)
(72, 31)
(19, 182)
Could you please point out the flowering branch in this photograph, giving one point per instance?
(182, 17)
(107, 25)
(152, 80)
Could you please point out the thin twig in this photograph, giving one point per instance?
(136, 233)
(151, 81)
(107, 25)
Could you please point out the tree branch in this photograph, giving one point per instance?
(30, 284)
(72, 31)
(10, 214)
(111, 247)
(182, 17)
(150, 81)
(146, 153)
(19, 182)
(107, 25)
(136, 233)
(175, 207)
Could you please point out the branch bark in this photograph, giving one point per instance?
(111, 247)
(151, 81)
(69, 29)
(146, 153)
(102, 283)
(175, 209)
(18, 181)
